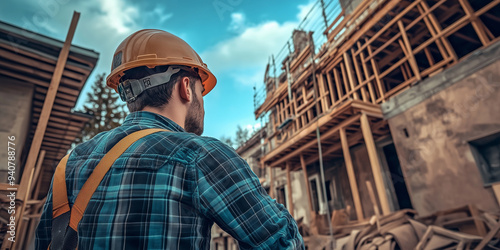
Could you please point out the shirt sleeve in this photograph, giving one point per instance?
(230, 194)
(43, 231)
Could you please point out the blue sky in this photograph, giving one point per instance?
(234, 37)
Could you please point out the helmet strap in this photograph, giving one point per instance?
(130, 89)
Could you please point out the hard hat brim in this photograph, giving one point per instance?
(114, 79)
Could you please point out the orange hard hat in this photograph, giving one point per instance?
(153, 48)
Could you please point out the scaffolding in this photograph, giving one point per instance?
(354, 63)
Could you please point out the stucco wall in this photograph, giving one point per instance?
(432, 137)
(15, 100)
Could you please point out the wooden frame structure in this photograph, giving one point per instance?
(57, 82)
(381, 49)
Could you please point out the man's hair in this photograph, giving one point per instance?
(158, 96)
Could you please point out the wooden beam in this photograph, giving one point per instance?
(47, 107)
(439, 30)
(331, 86)
(337, 83)
(359, 76)
(308, 187)
(311, 143)
(374, 202)
(289, 185)
(352, 80)
(377, 74)
(271, 182)
(375, 163)
(496, 191)
(351, 175)
(409, 51)
(477, 24)
(38, 168)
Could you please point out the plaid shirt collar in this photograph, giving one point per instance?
(150, 119)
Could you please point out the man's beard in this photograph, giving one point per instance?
(194, 118)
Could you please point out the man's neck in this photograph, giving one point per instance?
(176, 117)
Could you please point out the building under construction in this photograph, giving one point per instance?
(373, 107)
(382, 124)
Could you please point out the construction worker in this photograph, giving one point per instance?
(166, 189)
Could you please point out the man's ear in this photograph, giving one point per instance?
(185, 90)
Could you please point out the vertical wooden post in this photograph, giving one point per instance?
(409, 51)
(375, 163)
(380, 85)
(374, 202)
(47, 107)
(271, 182)
(477, 24)
(38, 169)
(438, 29)
(350, 73)
(337, 83)
(289, 185)
(308, 187)
(351, 175)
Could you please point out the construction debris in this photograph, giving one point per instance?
(461, 228)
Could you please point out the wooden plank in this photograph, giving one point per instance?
(359, 76)
(36, 144)
(20, 212)
(409, 51)
(322, 92)
(433, 32)
(380, 86)
(289, 185)
(38, 168)
(313, 142)
(351, 175)
(439, 30)
(350, 73)
(344, 78)
(478, 222)
(477, 24)
(271, 182)
(308, 187)
(375, 164)
(337, 83)
(496, 190)
(331, 86)
(488, 237)
(373, 98)
(374, 202)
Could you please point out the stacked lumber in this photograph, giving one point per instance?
(461, 228)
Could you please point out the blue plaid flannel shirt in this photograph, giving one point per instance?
(167, 190)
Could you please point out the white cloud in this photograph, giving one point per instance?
(251, 48)
(304, 10)
(119, 15)
(237, 22)
(160, 12)
(245, 56)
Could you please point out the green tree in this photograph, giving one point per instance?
(242, 136)
(227, 140)
(104, 105)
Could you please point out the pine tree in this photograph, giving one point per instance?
(102, 103)
(242, 136)
(227, 140)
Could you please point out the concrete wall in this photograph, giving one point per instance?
(299, 192)
(431, 137)
(15, 100)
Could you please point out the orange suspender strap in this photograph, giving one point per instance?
(60, 204)
(60, 199)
